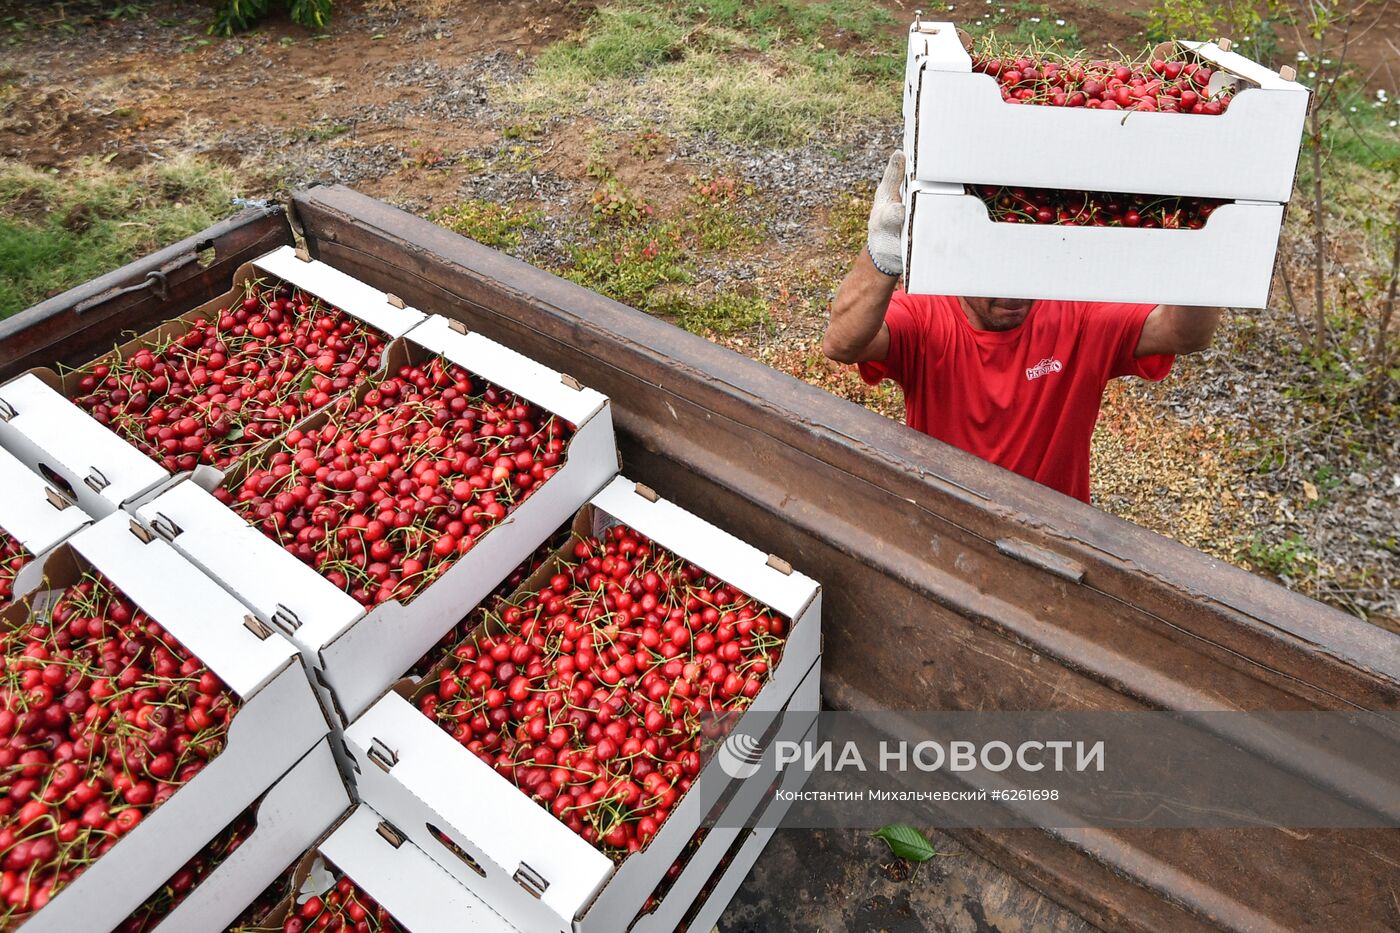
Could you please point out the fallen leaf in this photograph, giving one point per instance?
(1310, 491)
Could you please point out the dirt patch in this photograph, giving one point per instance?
(159, 86)
(51, 127)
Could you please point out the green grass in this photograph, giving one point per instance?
(848, 217)
(768, 22)
(755, 74)
(630, 264)
(788, 99)
(1291, 557)
(496, 225)
(1361, 132)
(635, 257)
(1012, 24)
(58, 230)
(727, 313)
(617, 43)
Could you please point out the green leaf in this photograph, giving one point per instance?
(906, 842)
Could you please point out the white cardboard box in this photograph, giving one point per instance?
(104, 472)
(952, 247)
(354, 654)
(380, 310)
(751, 843)
(751, 797)
(394, 872)
(958, 129)
(703, 917)
(278, 721)
(427, 784)
(297, 811)
(35, 515)
(70, 449)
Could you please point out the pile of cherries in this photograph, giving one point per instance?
(494, 602)
(1019, 205)
(232, 381)
(343, 908)
(105, 716)
(590, 691)
(390, 490)
(1160, 85)
(13, 557)
(171, 894)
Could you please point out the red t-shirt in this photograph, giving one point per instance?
(1025, 399)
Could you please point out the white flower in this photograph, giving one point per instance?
(1035, 19)
(1380, 94)
(1353, 110)
(1394, 124)
(1059, 22)
(1312, 74)
(1302, 56)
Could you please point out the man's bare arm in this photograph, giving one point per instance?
(1178, 330)
(856, 332)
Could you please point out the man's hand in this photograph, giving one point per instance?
(857, 332)
(887, 220)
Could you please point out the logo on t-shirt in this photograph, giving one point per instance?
(1044, 368)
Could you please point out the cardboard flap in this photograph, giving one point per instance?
(283, 591)
(408, 884)
(1237, 64)
(510, 828)
(347, 293)
(941, 44)
(508, 369)
(199, 613)
(48, 431)
(30, 509)
(717, 551)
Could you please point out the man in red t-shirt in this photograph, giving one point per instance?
(1014, 381)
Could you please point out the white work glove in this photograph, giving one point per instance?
(887, 220)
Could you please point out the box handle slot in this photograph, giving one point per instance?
(50, 474)
(7, 411)
(285, 619)
(646, 492)
(56, 498)
(140, 532)
(382, 755)
(531, 880)
(255, 625)
(446, 842)
(395, 300)
(167, 529)
(780, 565)
(571, 382)
(457, 327)
(389, 833)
